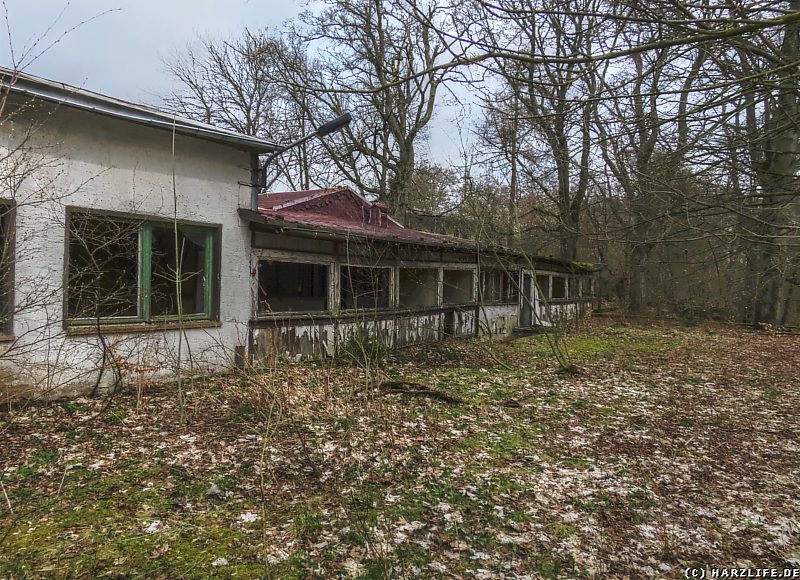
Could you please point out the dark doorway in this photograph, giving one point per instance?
(449, 328)
(526, 310)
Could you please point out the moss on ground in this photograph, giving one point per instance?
(314, 478)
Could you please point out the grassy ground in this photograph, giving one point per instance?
(670, 448)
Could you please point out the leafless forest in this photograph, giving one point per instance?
(657, 138)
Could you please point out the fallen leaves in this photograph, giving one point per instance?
(669, 448)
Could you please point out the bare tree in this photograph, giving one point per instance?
(682, 89)
(371, 59)
(666, 125)
(555, 98)
(244, 85)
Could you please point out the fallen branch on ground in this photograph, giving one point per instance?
(418, 389)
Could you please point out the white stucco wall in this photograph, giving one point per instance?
(498, 319)
(88, 160)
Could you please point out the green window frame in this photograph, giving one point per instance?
(7, 256)
(149, 260)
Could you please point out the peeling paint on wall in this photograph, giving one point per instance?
(297, 339)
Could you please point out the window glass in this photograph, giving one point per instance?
(133, 269)
(491, 285)
(499, 286)
(559, 287)
(573, 287)
(457, 286)
(512, 288)
(103, 267)
(177, 264)
(419, 287)
(543, 284)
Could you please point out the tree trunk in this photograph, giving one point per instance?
(773, 210)
(636, 290)
(770, 262)
(568, 236)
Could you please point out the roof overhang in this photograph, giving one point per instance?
(259, 222)
(37, 88)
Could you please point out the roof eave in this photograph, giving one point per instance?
(257, 219)
(94, 103)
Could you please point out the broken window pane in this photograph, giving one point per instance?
(419, 287)
(559, 287)
(103, 267)
(491, 285)
(110, 257)
(292, 287)
(543, 285)
(573, 287)
(364, 287)
(174, 263)
(499, 286)
(457, 286)
(512, 289)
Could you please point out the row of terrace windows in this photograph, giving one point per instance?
(305, 287)
(123, 269)
(563, 287)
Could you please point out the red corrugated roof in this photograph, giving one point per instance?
(343, 210)
(274, 200)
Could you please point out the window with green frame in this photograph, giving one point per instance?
(6, 266)
(125, 269)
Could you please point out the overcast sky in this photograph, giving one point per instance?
(118, 46)
(119, 53)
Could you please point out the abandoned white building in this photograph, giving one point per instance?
(331, 264)
(131, 247)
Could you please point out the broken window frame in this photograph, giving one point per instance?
(471, 299)
(505, 286)
(388, 270)
(429, 269)
(146, 224)
(562, 281)
(328, 268)
(8, 239)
